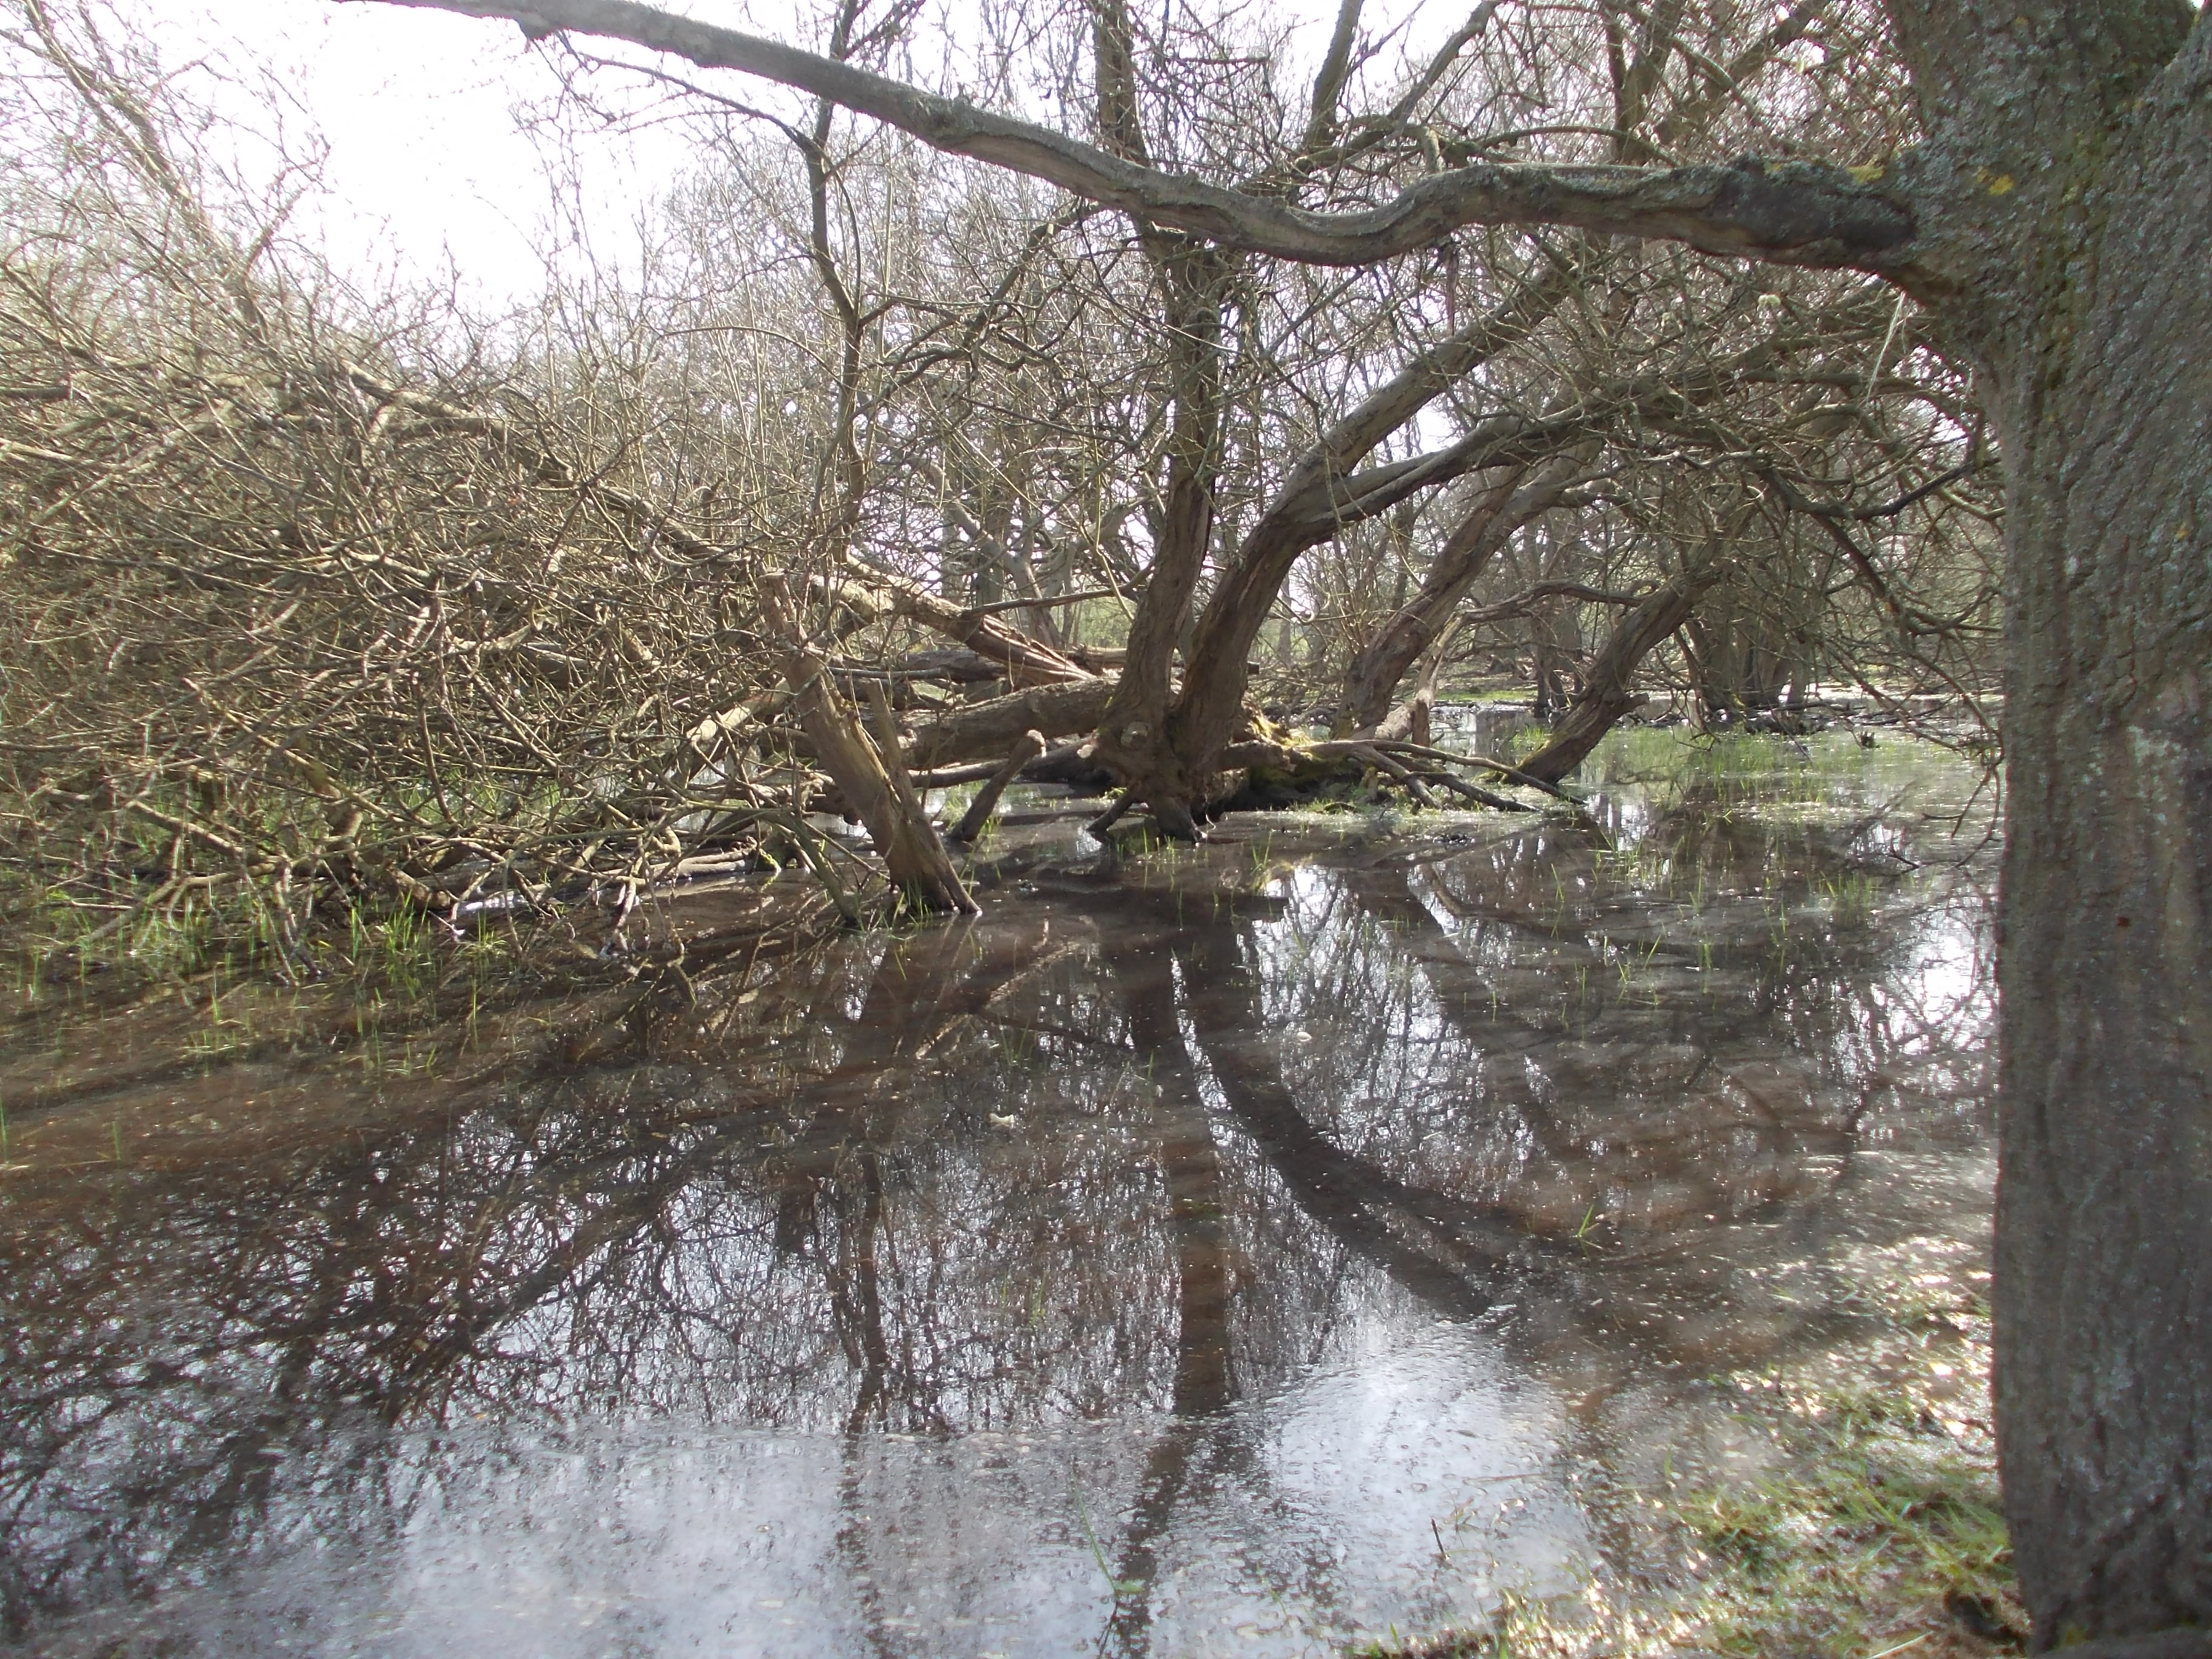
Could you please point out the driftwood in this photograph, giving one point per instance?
(986, 799)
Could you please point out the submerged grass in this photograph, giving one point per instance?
(1879, 1535)
(1874, 1529)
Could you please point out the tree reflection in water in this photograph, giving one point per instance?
(1115, 1202)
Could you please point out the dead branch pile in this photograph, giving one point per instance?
(279, 632)
(272, 625)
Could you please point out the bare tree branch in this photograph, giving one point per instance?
(1792, 213)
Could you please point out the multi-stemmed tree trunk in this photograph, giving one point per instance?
(1133, 734)
(1192, 279)
(1740, 662)
(1326, 491)
(2056, 220)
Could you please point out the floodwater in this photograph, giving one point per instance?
(1238, 1250)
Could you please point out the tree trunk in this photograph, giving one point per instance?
(1133, 737)
(1606, 695)
(1193, 278)
(986, 799)
(1497, 511)
(869, 775)
(1743, 656)
(1546, 660)
(1324, 494)
(2103, 1287)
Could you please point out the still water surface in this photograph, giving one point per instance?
(1238, 1250)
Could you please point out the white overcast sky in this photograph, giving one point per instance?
(432, 157)
(433, 160)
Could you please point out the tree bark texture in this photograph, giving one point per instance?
(2098, 341)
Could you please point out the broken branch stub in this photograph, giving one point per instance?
(986, 799)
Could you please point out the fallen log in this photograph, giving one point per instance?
(1391, 758)
(986, 730)
(1025, 661)
(1404, 775)
(956, 664)
(1497, 768)
(1075, 764)
(949, 777)
(1480, 796)
(1069, 763)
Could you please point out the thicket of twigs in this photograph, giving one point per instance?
(284, 634)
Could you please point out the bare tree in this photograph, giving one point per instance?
(2049, 218)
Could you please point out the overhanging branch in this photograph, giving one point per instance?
(1791, 213)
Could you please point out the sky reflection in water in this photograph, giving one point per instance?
(1225, 1251)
